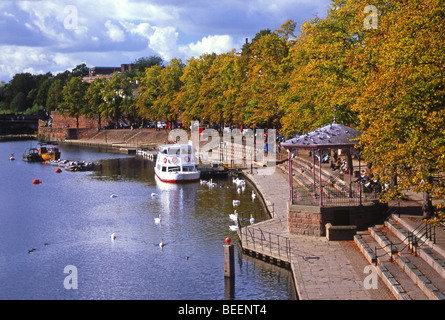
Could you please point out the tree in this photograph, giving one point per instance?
(55, 95)
(402, 99)
(118, 96)
(74, 98)
(20, 83)
(143, 63)
(19, 103)
(266, 80)
(170, 85)
(80, 71)
(190, 94)
(95, 100)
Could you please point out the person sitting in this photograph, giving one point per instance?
(337, 165)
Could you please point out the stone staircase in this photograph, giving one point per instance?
(405, 259)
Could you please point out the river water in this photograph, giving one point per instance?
(69, 218)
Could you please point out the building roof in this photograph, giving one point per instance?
(331, 136)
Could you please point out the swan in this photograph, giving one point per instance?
(233, 228)
(211, 184)
(113, 236)
(161, 244)
(235, 202)
(238, 190)
(253, 195)
(252, 219)
(158, 219)
(240, 182)
(243, 188)
(233, 216)
(113, 195)
(154, 194)
(202, 182)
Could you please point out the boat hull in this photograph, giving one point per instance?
(177, 177)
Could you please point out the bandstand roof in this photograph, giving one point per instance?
(332, 136)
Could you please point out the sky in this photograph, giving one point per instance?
(40, 36)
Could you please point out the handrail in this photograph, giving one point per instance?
(274, 244)
(413, 239)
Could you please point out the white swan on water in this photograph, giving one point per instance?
(113, 195)
(154, 194)
(161, 244)
(252, 219)
(233, 228)
(235, 203)
(211, 184)
(253, 195)
(158, 219)
(233, 216)
(113, 237)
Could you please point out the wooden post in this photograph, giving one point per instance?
(229, 261)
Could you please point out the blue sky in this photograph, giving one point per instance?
(41, 36)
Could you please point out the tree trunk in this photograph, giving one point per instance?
(427, 206)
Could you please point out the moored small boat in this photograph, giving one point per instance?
(175, 163)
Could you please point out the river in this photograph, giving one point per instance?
(69, 218)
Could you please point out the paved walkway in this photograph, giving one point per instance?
(322, 269)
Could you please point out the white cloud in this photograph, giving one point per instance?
(210, 44)
(114, 32)
(164, 41)
(110, 32)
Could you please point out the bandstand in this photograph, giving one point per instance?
(319, 196)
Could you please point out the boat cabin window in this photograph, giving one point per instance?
(164, 169)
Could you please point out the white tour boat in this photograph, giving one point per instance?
(176, 163)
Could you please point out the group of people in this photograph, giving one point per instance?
(340, 164)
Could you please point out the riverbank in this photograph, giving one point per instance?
(322, 269)
(17, 137)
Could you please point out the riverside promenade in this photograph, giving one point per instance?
(322, 269)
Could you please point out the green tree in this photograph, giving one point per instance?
(74, 98)
(118, 97)
(190, 95)
(149, 92)
(19, 103)
(55, 95)
(95, 100)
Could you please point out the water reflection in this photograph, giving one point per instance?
(74, 213)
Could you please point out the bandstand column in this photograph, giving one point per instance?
(319, 177)
(291, 187)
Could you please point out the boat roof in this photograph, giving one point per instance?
(175, 146)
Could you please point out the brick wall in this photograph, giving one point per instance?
(305, 220)
(312, 220)
(59, 134)
(64, 121)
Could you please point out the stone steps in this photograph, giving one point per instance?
(415, 273)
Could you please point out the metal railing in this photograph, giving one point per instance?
(423, 232)
(331, 196)
(264, 242)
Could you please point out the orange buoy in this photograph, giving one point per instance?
(36, 181)
(58, 170)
